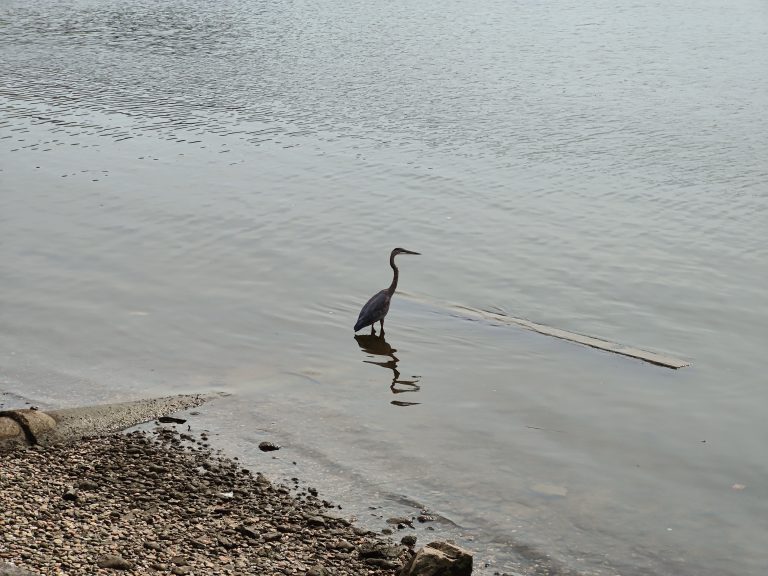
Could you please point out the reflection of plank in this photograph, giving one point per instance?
(645, 355)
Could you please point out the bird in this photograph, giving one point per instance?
(378, 306)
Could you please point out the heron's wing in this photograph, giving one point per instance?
(374, 310)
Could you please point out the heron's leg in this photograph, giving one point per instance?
(382, 327)
(373, 330)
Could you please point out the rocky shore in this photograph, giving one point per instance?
(159, 503)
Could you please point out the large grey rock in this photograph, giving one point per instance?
(23, 426)
(439, 559)
(27, 426)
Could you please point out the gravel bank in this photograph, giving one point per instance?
(150, 503)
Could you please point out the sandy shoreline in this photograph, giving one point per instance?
(157, 503)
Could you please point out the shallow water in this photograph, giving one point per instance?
(201, 196)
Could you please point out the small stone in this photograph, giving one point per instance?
(397, 520)
(272, 536)
(379, 550)
(317, 570)
(180, 561)
(156, 546)
(248, 531)
(268, 446)
(316, 522)
(344, 545)
(70, 495)
(382, 563)
(199, 543)
(181, 570)
(114, 562)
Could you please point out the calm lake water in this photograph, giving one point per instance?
(201, 195)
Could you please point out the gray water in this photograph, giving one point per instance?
(201, 195)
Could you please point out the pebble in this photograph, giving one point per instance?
(114, 562)
(146, 502)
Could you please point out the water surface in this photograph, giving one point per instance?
(201, 196)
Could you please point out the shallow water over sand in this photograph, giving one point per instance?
(201, 196)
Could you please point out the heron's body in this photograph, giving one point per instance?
(377, 307)
(374, 310)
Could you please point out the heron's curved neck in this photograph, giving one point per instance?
(393, 286)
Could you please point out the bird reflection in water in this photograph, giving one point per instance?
(376, 345)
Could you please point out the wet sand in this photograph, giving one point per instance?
(160, 502)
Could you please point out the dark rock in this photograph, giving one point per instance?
(171, 420)
(409, 540)
(70, 494)
(248, 531)
(439, 559)
(180, 561)
(316, 522)
(181, 570)
(156, 546)
(317, 570)
(425, 518)
(114, 562)
(225, 542)
(272, 536)
(268, 446)
(398, 520)
(87, 485)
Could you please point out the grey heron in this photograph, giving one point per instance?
(377, 307)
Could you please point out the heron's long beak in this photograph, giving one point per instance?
(410, 252)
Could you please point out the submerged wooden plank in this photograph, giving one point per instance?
(608, 346)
